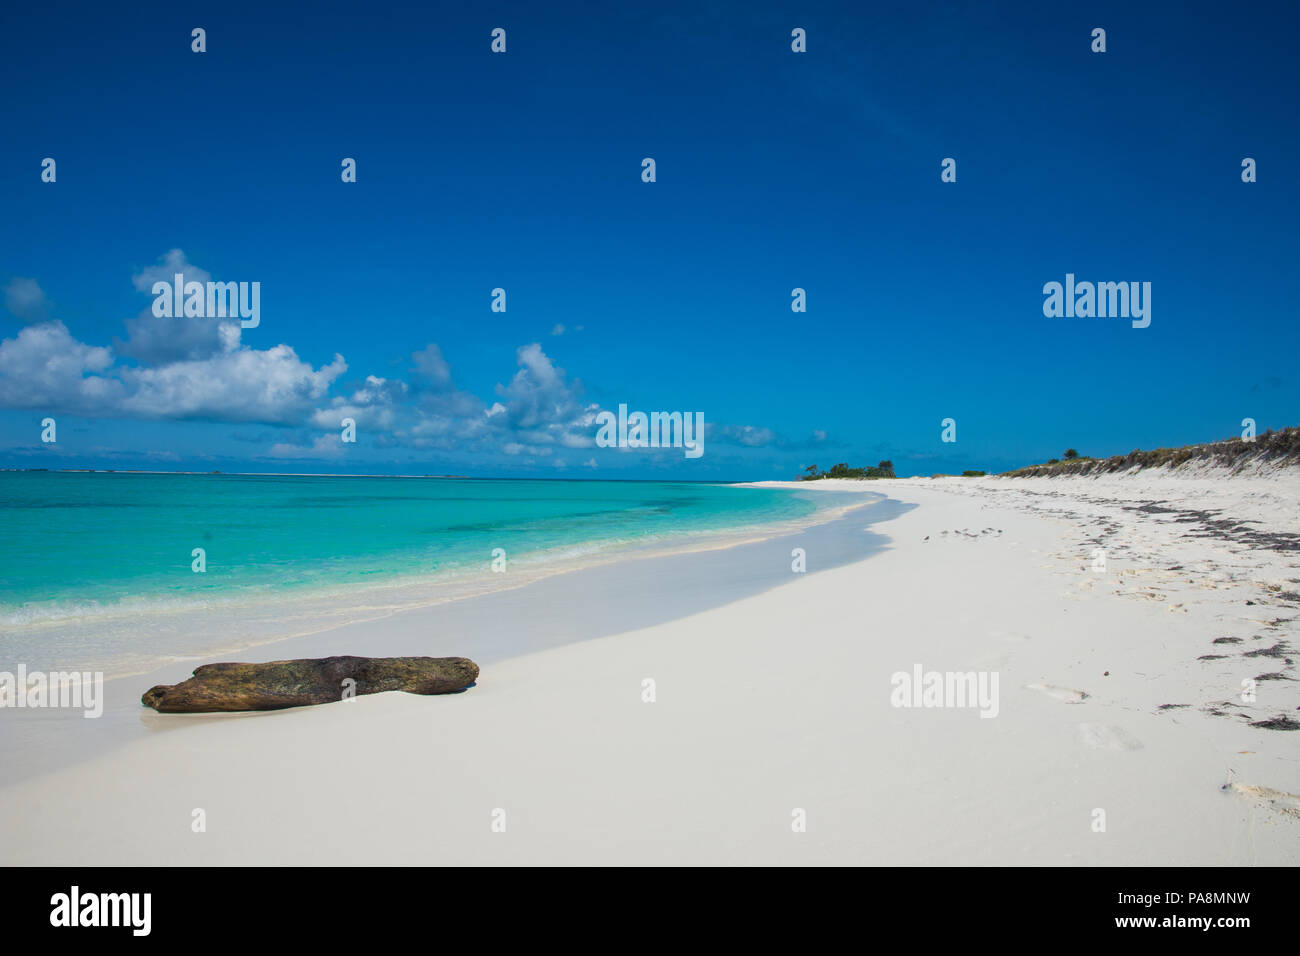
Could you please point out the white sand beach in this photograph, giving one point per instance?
(1120, 691)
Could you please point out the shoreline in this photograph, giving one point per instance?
(40, 740)
(323, 607)
(1119, 703)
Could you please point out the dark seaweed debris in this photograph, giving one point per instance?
(1281, 722)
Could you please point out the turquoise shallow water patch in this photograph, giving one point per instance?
(99, 565)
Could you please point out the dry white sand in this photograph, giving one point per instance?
(780, 703)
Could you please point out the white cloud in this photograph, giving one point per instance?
(748, 435)
(324, 446)
(373, 406)
(25, 299)
(246, 385)
(200, 369)
(432, 366)
(541, 406)
(191, 368)
(166, 269)
(45, 367)
(157, 340)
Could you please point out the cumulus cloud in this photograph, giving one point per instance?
(25, 299)
(432, 367)
(157, 340)
(45, 367)
(166, 269)
(189, 368)
(244, 385)
(447, 419)
(542, 407)
(195, 369)
(372, 406)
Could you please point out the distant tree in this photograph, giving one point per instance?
(1070, 453)
(1053, 461)
(844, 470)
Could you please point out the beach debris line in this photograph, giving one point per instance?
(276, 685)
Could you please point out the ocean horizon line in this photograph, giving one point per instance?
(314, 474)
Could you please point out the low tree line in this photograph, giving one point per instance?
(844, 470)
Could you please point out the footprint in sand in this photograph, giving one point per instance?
(1067, 694)
(1101, 737)
(1278, 800)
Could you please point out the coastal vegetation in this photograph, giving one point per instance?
(1270, 448)
(884, 469)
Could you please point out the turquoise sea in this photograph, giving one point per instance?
(96, 569)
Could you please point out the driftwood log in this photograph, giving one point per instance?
(280, 684)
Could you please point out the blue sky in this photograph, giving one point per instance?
(522, 171)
